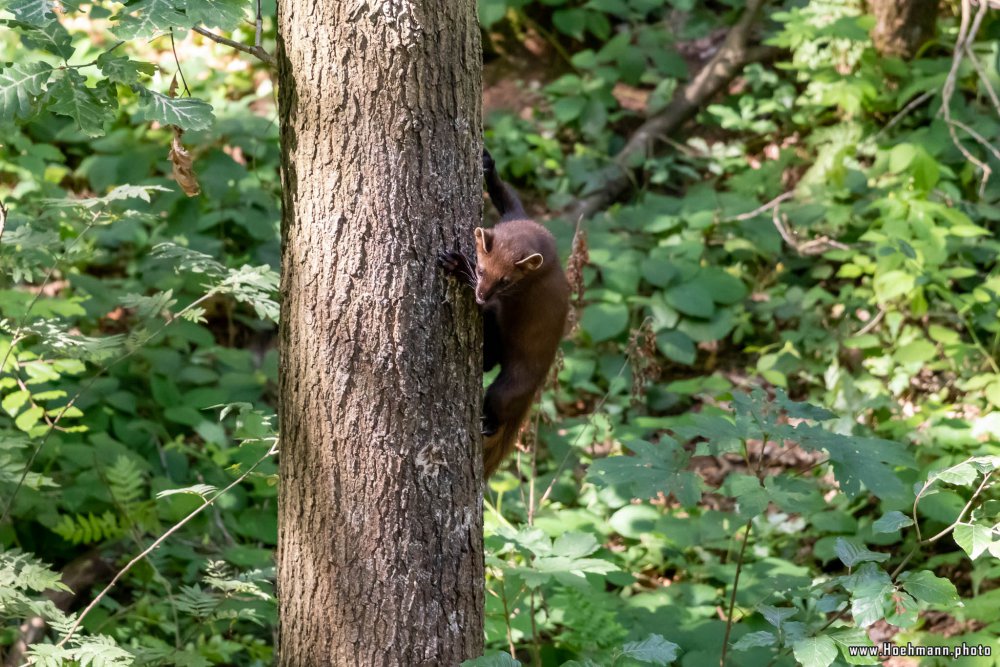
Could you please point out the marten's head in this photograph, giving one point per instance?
(507, 254)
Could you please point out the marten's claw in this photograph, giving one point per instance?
(450, 261)
(487, 427)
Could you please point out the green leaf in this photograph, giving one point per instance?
(148, 17)
(20, 89)
(901, 156)
(185, 112)
(27, 419)
(654, 469)
(498, 659)
(845, 638)
(973, 538)
(71, 97)
(917, 352)
(654, 650)
(677, 346)
(122, 69)
(603, 321)
(851, 553)
(51, 37)
(222, 14)
(892, 284)
(724, 288)
(491, 11)
(892, 521)
(926, 587)
(14, 401)
(33, 12)
(570, 22)
(691, 299)
(815, 651)
(755, 640)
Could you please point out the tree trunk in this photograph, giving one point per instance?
(903, 26)
(380, 556)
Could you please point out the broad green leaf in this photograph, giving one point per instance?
(754, 640)
(498, 659)
(122, 69)
(34, 12)
(184, 112)
(222, 14)
(776, 616)
(845, 638)
(71, 97)
(677, 346)
(973, 538)
(51, 36)
(892, 521)
(926, 587)
(148, 17)
(892, 284)
(815, 651)
(20, 89)
(603, 321)
(691, 299)
(654, 650)
(570, 22)
(29, 418)
(653, 469)
(14, 401)
(491, 11)
(724, 288)
(851, 553)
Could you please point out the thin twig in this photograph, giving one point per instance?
(913, 104)
(785, 196)
(872, 323)
(258, 27)
(732, 597)
(256, 51)
(270, 452)
(177, 62)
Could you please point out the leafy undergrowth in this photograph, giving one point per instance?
(771, 437)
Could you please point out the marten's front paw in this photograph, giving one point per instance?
(488, 165)
(488, 427)
(451, 261)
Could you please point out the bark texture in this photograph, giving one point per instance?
(903, 26)
(380, 514)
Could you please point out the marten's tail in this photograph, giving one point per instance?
(496, 447)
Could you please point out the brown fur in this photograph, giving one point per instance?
(524, 296)
(530, 315)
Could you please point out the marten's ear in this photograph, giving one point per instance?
(484, 240)
(531, 262)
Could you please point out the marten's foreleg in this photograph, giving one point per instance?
(506, 201)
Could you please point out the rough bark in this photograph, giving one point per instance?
(903, 26)
(380, 546)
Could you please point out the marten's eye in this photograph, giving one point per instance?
(503, 282)
(479, 271)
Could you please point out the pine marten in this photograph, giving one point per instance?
(524, 298)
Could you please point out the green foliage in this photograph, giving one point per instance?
(774, 428)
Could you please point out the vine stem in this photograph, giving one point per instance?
(732, 597)
(148, 550)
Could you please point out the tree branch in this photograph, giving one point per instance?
(732, 57)
(257, 50)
